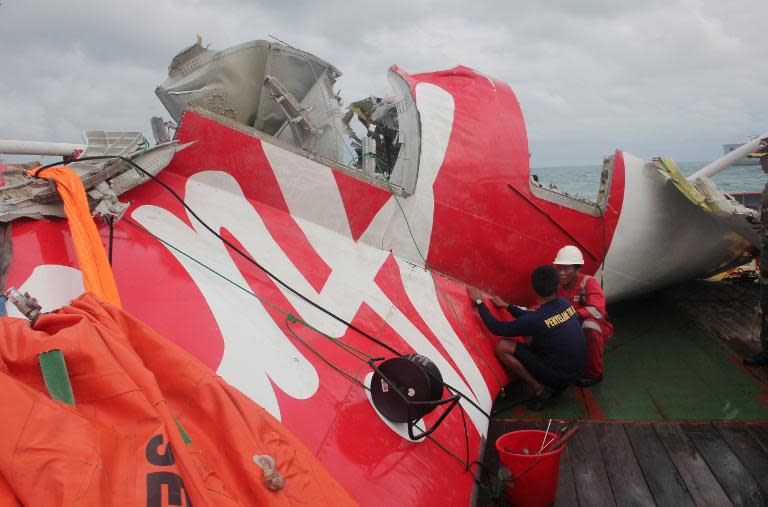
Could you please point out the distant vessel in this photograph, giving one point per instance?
(727, 148)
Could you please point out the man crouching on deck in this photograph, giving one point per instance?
(555, 356)
(586, 295)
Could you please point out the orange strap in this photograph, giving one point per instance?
(97, 273)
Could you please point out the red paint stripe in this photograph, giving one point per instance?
(390, 282)
(592, 407)
(753, 374)
(361, 200)
(219, 148)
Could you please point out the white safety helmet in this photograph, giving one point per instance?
(569, 255)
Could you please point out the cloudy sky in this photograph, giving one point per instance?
(674, 77)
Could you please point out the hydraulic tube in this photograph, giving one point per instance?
(729, 159)
(13, 147)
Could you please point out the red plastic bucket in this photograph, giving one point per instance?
(534, 476)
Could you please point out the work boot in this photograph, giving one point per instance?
(760, 359)
(515, 393)
(537, 402)
(588, 381)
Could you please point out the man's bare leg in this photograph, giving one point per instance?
(505, 350)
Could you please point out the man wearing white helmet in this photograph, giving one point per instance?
(586, 295)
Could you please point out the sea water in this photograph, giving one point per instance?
(584, 180)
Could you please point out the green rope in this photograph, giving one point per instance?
(203, 265)
(367, 154)
(440, 290)
(407, 224)
(352, 350)
(299, 113)
(289, 318)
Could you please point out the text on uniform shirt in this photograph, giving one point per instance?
(560, 317)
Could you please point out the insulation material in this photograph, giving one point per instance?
(702, 191)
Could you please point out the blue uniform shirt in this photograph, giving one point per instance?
(556, 333)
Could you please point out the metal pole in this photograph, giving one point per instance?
(729, 159)
(14, 147)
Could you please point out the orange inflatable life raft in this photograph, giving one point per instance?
(150, 425)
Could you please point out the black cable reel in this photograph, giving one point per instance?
(404, 389)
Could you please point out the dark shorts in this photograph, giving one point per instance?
(541, 370)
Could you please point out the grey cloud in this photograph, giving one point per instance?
(677, 78)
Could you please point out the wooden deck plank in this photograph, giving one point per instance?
(725, 465)
(566, 488)
(634, 463)
(590, 477)
(694, 471)
(627, 480)
(749, 450)
(760, 432)
(664, 481)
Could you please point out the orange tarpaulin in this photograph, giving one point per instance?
(97, 273)
(120, 445)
